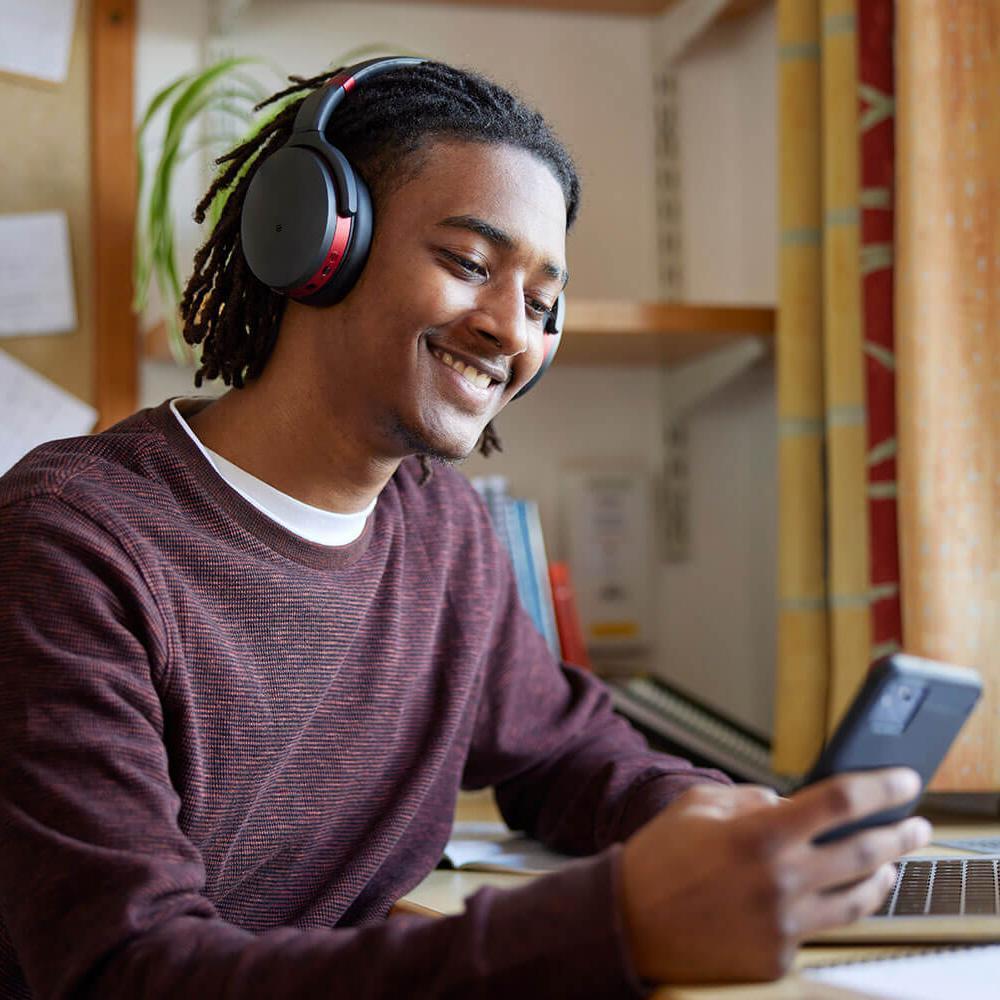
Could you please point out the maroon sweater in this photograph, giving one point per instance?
(228, 751)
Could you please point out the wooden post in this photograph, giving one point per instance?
(113, 187)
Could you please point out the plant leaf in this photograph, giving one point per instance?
(191, 96)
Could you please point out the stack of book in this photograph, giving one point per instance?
(545, 590)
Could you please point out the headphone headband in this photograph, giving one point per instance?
(315, 111)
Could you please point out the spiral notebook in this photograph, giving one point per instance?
(951, 974)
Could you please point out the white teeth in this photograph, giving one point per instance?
(471, 374)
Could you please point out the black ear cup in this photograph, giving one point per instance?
(293, 238)
(551, 337)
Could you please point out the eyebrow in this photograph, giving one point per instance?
(501, 239)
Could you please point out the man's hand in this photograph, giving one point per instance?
(726, 882)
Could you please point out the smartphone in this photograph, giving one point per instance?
(908, 712)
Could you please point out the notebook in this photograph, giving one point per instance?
(955, 974)
(981, 845)
(935, 899)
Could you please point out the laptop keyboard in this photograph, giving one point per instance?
(944, 887)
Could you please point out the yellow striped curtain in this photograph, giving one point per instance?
(948, 353)
(823, 617)
(946, 361)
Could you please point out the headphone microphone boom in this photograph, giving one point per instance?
(306, 224)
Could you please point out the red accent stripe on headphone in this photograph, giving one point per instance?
(347, 82)
(333, 260)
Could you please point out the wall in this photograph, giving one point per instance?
(718, 633)
(592, 76)
(46, 167)
(170, 40)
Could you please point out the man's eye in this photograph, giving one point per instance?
(537, 310)
(466, 264)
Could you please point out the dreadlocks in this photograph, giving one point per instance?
(382, 128)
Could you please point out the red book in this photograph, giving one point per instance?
(574, 649)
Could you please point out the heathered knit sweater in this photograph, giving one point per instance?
(227, 750)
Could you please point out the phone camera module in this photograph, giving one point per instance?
(897, 705)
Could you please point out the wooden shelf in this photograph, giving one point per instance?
(664, 333)
(224, 14)
(631, 8)
(622, 332)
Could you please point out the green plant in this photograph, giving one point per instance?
(224, 89)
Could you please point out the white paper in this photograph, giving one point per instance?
(962, 974)
(36, 274)
(491, 846)
(35, 37)
(34, 410)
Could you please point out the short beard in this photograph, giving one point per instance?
(417, 444)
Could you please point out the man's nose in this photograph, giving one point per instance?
(502, 319)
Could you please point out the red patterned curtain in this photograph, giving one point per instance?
(877, 200)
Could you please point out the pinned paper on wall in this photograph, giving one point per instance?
(36, 274)
(34, 410)
(36, 38)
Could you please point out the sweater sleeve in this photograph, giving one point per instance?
(566, 768)
(102, 894)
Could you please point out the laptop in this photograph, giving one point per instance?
(936, 899)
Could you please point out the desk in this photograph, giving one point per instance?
(443, 892)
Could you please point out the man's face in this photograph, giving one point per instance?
(445, 325)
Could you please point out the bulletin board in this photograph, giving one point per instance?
(69, 147)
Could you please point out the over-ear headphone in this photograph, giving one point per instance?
(553, 330)
(306, 224)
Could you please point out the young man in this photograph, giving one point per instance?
(252, 648)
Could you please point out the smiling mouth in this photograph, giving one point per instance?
(470, 373)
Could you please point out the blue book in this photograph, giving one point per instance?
(540, 570)
(521, 559)
(519, 527)
(531, 569)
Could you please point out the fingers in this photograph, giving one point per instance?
(857, 857)
(843, 906)
(842, 799)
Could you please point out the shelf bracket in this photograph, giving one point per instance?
(678, 26)
(223, 15)
(687, 384)
(683, 388)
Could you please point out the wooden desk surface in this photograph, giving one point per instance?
(444, 892)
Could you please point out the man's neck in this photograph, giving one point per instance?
(289, 443)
